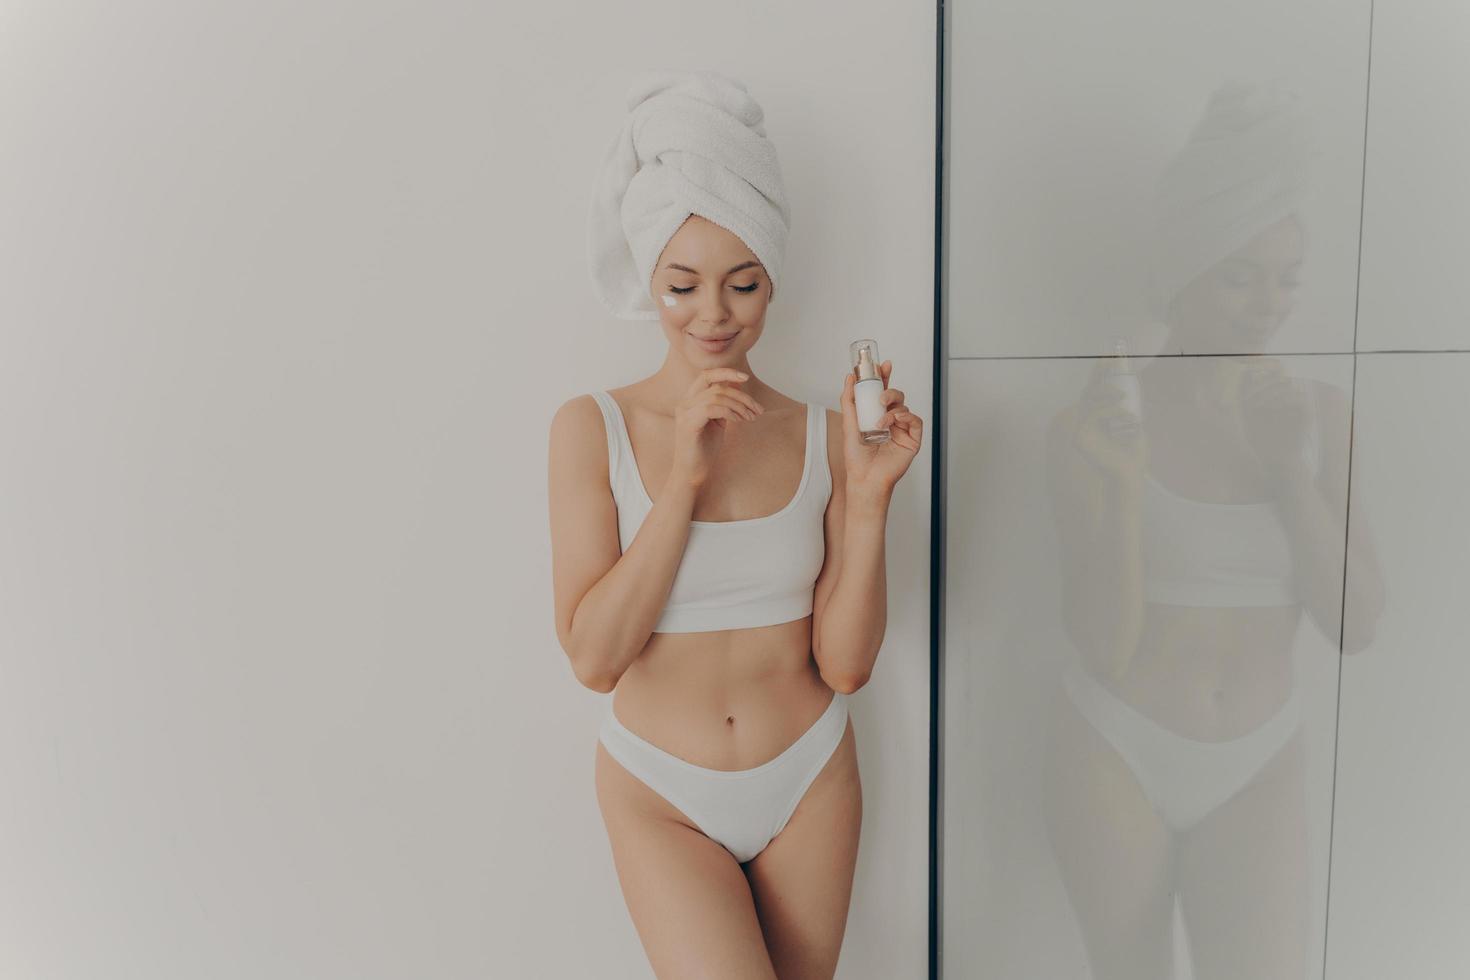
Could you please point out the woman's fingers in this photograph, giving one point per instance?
(915, 426)
(710, 376)
(727, 398)
(892, 416)
(724, 381)
(745, 397)
(907, 430)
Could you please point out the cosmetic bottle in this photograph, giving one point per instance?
(866, 390)
(1121, 375)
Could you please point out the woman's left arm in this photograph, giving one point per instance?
(850, 604)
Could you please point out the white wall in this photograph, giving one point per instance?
(294, 291)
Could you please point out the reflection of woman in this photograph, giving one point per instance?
(726, 768)
(1193, 539)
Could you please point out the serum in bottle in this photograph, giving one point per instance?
(866, 389)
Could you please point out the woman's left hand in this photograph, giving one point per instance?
(876, 468)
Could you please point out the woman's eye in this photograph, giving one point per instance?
(739, 289)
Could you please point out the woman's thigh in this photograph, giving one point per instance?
(687, 896)
(1113, 850)
(1243, 877)
(802, 880)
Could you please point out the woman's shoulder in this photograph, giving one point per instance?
(586, 405)
(629, 397)
(578, 407)
(578, 430)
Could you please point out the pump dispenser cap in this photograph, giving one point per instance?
(865, 359)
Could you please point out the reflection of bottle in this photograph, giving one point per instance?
(1120, 374)
(866, 389)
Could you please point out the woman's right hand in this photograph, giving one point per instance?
(1107, 434)
(709, 404)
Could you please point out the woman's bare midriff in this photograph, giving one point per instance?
(1211, 673)
(725, 699)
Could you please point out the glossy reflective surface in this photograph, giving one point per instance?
(1205, 542)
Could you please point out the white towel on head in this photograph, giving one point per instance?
(1247, 164)
(693, 143)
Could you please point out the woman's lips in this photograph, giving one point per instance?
(714, 346)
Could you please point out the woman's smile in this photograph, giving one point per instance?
(714, 346)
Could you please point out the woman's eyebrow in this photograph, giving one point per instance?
(685, 268)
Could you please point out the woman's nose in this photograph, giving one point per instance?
(713, 310)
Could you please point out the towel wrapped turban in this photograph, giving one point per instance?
(693, 142)
(1246, 164)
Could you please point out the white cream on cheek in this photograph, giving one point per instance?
(670, 300)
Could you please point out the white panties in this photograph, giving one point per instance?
(1184, 778)
(740, 809)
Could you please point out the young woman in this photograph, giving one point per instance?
(718, 557)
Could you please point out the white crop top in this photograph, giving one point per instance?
(1203, 553)
(733, 574)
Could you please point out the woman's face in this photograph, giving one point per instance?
(708, 284)
(1240, 302)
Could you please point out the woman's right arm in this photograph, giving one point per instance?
(606, 603)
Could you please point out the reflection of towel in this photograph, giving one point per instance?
(692, 143)
(1244, 167)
